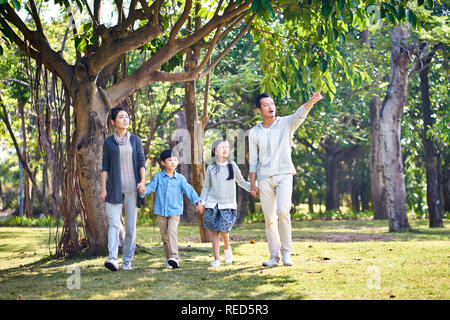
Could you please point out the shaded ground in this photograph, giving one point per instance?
(333, 260)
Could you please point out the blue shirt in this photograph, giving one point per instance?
(169, 193)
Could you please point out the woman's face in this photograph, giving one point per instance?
(223, 150)
(122, 120)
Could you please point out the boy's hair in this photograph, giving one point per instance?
(259, 97)
(165, 154)
(215, 164)
(115, 111)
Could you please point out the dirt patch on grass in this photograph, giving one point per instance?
(329, 237)
(348, 237)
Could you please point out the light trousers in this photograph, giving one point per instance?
(114, 211)
(168, 227)
(275, 194)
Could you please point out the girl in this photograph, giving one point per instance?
(219, 198)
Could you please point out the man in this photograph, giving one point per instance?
(270, 160)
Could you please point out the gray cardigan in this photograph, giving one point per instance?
(218, 190)
(111, 164)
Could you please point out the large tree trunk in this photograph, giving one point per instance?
(332, 177)
(243, 196)
(434, 205)
(376, 168)
(27, 199)
(186, 170)
(390, 131)
(443, 159)
(91, 130)
(356, 184)
(195, 128)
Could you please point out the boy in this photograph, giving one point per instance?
(170, 186)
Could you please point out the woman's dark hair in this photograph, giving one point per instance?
(115, 111)
(216, 166)
(259, 97)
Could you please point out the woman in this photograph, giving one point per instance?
(123, 174)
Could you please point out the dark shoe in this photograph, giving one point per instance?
(173, 262)
(112, 264)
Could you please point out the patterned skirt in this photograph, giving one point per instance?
(219, 219)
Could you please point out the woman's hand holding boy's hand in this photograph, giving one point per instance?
(141, 187)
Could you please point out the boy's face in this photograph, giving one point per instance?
(170, 163)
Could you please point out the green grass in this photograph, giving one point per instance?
(333, 260)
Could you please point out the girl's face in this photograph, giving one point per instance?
(223, 150)
(122, 120)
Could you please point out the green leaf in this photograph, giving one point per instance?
(430, 4)
(16, 4)
(256, 6)
(305, 75)
(87, 27)
(3, 1)
(80, 44)
(412, 18)
(341, 4)
(335, 34)
(323, 64)
(326, 8)
(400, 12)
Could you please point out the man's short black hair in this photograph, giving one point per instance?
(259, 97)
(165, 154)
(115, 111)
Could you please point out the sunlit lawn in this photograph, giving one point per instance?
(346, 259)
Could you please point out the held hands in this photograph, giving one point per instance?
(199, 208)
(254, 192)
(141, 187)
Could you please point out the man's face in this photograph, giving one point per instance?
(170, 163)
(122, 120)
(268, 108)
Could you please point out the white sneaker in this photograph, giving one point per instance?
(169, 266)
(112, 264)
(228, 256)
(174, 263)
(271, 263)
(215, 263)
(287, 261)
(127, 266)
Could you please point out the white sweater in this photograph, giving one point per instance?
(270, 149)
(217, 190)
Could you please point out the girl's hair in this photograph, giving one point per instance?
(215, 164)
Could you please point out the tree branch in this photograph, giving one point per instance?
(51, 59)
(148, 72)
(180, 21)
